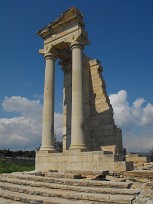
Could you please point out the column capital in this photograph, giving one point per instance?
(49, 52)
(77, 44)
(49, 55)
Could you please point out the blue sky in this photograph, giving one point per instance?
(121, 36)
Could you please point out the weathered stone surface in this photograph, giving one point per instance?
(81, 161)
(64, 175)
(25, 188)
(141, 174)
(6, 201)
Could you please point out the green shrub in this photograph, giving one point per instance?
(9, 167)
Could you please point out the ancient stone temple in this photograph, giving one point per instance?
(91, 140)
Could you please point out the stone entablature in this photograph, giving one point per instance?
(59, 35)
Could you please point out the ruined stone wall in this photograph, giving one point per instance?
(100, 129)
(103, 129)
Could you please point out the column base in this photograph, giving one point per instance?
(81, 147)
(49, 149)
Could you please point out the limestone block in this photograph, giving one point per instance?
(90, 158)
(86, 165)
(109, 132)
(94, 62)
(95, 122)
(102, 109)
(111, 148)
(100, 100)
(105, 121)
(94, 118)
(106, 158)
(108, 126)
(94, 93)
(94, 71)
(102, 106)
(72, 158)
(95, 77)
(97, 84)
(99, 94)
(73, 153)
(79, 159)
(96, 67)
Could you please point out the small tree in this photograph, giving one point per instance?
(151, 151)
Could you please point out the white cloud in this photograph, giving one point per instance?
(136, 121)
(25, 129)
(122, 111)
(137, 114)
(22, 105)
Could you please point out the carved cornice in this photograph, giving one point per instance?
(64, 20)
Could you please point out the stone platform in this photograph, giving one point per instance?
(81, 161)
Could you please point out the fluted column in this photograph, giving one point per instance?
(48, 109)
(77, 119)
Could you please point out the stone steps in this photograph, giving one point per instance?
(25, 188)
(63, 175)
(68, 195)
(36, 199)
(70, 187)
(7, 201)
(139, 174)
(84, 173)
(66, 181)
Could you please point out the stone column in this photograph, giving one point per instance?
(77, 119)
(48, 109)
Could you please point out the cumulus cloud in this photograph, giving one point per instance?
(138, 114)
(122, 111)
(136, 121)
(24, 129)
(22, 105)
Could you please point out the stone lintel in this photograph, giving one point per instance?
(60, 45)
(63, 39)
